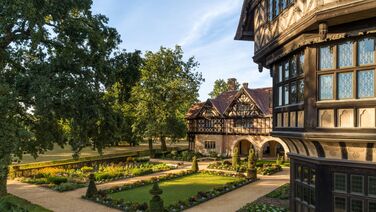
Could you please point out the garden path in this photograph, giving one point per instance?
(71, 201)
(236, 199)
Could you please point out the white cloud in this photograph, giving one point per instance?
(202, 25)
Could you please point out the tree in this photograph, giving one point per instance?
(127, 67)
(220, 86)
(55, 69)
(167, 88)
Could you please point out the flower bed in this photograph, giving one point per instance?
(70, 179)
(263, 167)
(185, 155)
(104, 197)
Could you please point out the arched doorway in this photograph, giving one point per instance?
(271, 149)
(243, 147)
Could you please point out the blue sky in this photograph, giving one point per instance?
(204, 28)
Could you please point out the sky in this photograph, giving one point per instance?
(204, 28)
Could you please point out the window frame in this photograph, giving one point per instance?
(355, 69)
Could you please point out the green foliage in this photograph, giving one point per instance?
(15, 204)
(67, 187)
(220, 86)
(167, 88)
(156, 203)
(87, 169)
(254, 207)
(57, 180)
(251, 164)
(283, 192)
(56, 65)
(92, 188)
(235, 157)
(195, 167)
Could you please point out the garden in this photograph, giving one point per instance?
(178, 191)
(66, 179)
(264, 167)
(277, 201)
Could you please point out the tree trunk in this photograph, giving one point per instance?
(151, 147)
(163, 143)
(4, 169)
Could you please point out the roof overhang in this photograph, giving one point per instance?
(245, 29)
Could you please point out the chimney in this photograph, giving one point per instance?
(245, 85)
(231, 84)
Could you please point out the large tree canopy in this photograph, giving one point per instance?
(167, 88)
(221, 86)
(56, 63)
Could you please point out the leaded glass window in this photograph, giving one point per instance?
(293, 67)
(340, 182)
(372, 186)
(339, 204)
(366, 84)
(372, 206)
(366, 51)
(300, 91)
(357, 184)
(271, 2)
(280, 73)
(356, 205)
(280, 93)
(345, 54)
(286, 93)
(283, 4)
(293, 93)
(326, 87)
(345, 85)
(326, 57)
(276, 4)
(287, 70)
(301, 63)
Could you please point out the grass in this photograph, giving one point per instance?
(59, 153)
(13, 203)
(176, 190)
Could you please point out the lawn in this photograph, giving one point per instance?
(179, 189)
(59, 153)
(13, 203)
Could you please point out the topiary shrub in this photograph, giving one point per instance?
(92, 188)
(251, 165)
(156, 203)
(195, 164)
(235, 158)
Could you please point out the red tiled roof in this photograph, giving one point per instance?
(261, 96)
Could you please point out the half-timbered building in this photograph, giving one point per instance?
(321, 55)
(237, 118)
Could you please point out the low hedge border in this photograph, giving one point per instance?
(199, 198)
(69, 186)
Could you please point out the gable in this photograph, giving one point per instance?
(243, 106)
(208, 111)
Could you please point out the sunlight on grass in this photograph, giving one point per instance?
(175, 190)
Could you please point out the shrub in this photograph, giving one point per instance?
(47, 172)
(261, 208)
(87, 169)
(92, 188)
(57, 180)
(37, 181)
(213, 154)
(67, 187)
(194, 165)
(235, 158)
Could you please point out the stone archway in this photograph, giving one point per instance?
(271, 148)
(243, 146)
